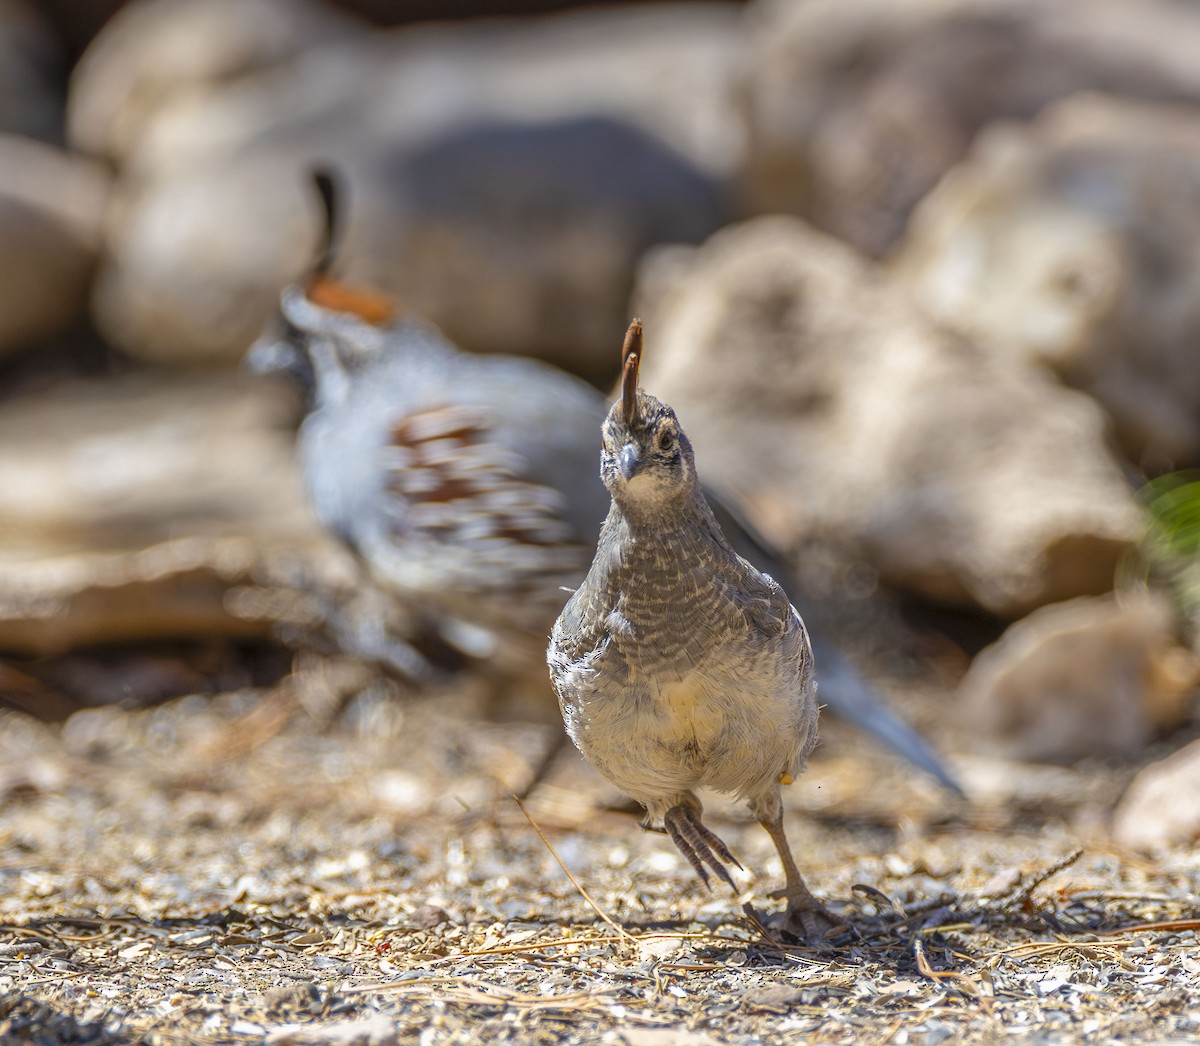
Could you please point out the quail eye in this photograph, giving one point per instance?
(665, 441)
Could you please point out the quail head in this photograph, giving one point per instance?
(677, 664)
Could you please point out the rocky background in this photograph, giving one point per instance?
(921, 279)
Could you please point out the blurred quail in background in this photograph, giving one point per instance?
(454, 478)
(677, 664)
(466, 485)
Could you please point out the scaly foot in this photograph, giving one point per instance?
(806, 918)
(700, 846)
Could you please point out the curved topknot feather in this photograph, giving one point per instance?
(371, 306)
(631, 358)
(325, 182)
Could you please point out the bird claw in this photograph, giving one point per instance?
(700, 846)
(806, 918)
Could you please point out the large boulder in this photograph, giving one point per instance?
(1075, 241)
(1159, 810)
(154, 54)
(855, 110)
(813, 389)
(194, 267)
(665, 68)
(1100, 676)
(131, 507)
(512, 238)
(51, 216)
(503, 180)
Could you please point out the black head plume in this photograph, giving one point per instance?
(325, 182)
(631, 358)
(368, 304)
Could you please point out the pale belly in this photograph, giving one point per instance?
(656, 741)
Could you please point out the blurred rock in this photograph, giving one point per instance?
(376, 1030)
(51, 213)
(194, 267)
(512, 238)
(1099, 676)
(30, 66)
(665, 68)
(503, 180)
(1075, 241)
(1001, 788)
(129, 508)
(152, 54)
(814, 391)
(856, 109)
(1159, 809)
(525, 240)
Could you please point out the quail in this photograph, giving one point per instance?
(677, 664)
(445, 473)
(465, 485)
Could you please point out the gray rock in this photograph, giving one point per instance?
(503, 180)
(665, 68)
(815, 391)
(855, 110)
(1099, 676)
(525, 239)
(1073, 241)
(513, 238)
(51, 215)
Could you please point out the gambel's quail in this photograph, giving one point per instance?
(454, 478)
(465, 484)
(677, 664)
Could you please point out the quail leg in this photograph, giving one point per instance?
(806, 917)
(700, 846)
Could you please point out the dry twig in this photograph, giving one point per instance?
(621, 931)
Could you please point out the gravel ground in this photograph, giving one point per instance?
(275, 866)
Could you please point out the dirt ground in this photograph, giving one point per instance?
(277, 866)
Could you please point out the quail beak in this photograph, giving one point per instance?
(269, 356)
(629, 461)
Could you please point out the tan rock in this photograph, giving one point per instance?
(1097, 676)
(502, 180)
(51, 216)
(154, 53)
(1072, 241)
(813, 389)
(855, 110)
(129, 508)
(377, 1030)
(194, 265)
(1159, 810)
(663, 68)
(511, 238)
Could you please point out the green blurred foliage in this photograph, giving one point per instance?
(1171, 547)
